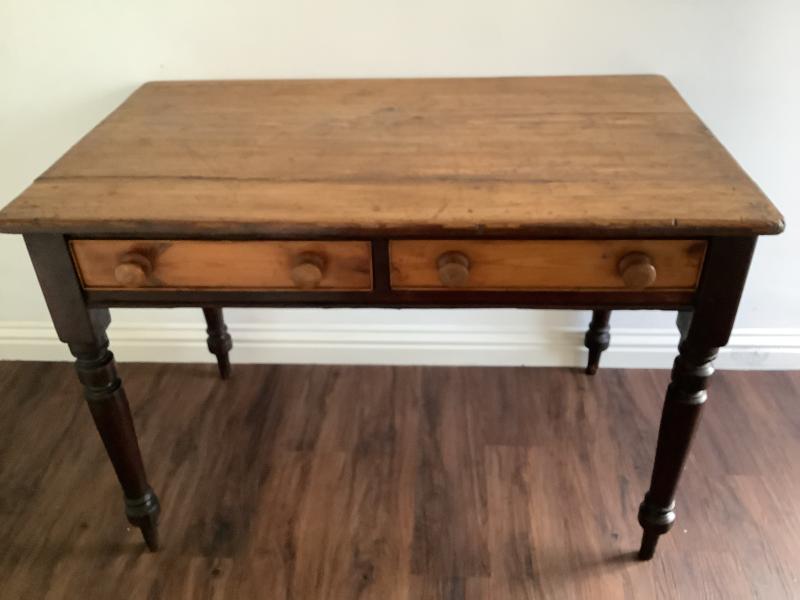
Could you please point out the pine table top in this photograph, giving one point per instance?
(528, 156)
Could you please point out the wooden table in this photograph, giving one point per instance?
(565, 192)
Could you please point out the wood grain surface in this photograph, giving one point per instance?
(310, 482)
(497, 155)
(192, 264)
(545, 264)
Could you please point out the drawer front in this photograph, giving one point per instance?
(546, 264)
(202, 264)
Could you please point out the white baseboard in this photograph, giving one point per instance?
(354, 343)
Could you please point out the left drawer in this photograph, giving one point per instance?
(207, 264)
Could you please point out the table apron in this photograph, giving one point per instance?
(628, 300)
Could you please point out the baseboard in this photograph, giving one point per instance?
(354, 343)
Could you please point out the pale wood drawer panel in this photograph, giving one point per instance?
(204, 264)
(542, 264)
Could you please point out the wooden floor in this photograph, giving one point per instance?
(377, 482)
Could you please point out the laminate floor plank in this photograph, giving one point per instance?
(408, 483)
(450, 494)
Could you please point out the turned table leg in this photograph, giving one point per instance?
(597, 339)
(684, 402)
(704, 329)
(219, 340)
(112, 417)
(83, 329)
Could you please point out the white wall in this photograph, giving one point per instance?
(65, 65)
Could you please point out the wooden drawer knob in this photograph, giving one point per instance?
(637, 270)
(308, 270)
(133, 269)
(453, 269)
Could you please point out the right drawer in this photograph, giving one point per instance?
(546, 264)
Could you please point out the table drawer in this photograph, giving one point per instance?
(546, 264)
(204, 264)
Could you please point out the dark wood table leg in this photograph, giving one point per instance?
(219, 340)
(84, 331)
(684, 402)
(597, 339)
(703, 331)
(112, 417)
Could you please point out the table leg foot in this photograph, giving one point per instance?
(597, 339)
(224, 365)
(655, 522)
(648, 547)
(143, 512)
(219, 340)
